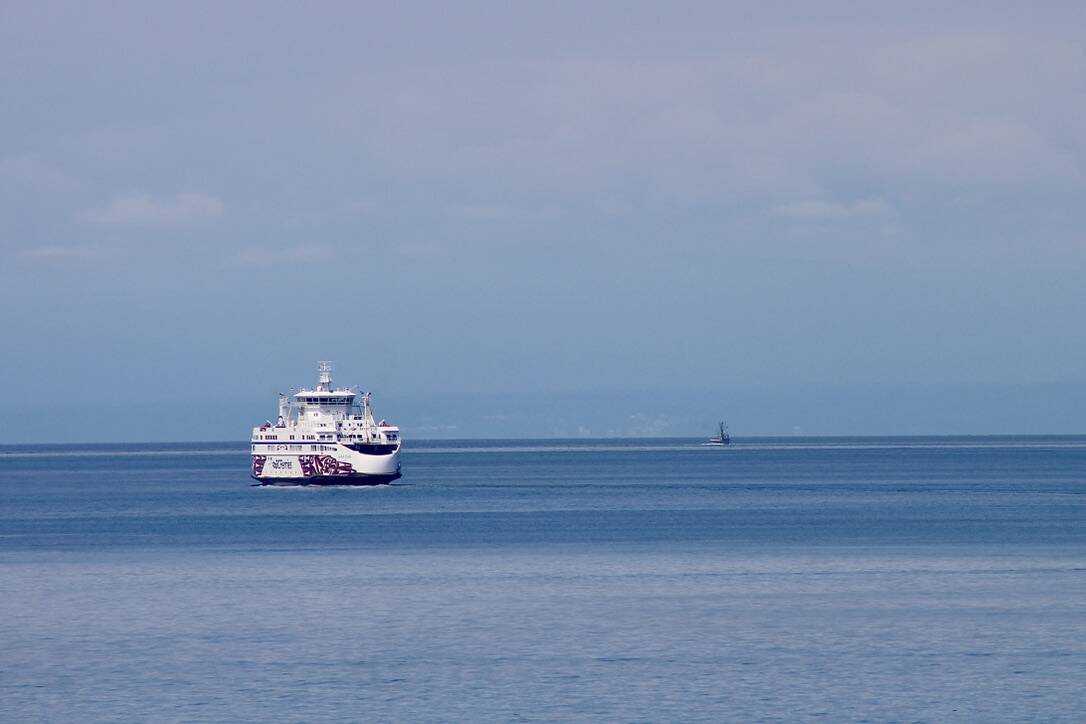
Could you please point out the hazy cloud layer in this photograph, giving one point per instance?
(863, 208)
(143, 210)
(59, 253)
(299, 254)
(554, 196)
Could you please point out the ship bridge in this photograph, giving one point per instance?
(325, 401)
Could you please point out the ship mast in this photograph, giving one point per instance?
(325, 371)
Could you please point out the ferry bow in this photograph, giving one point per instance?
(326, 436)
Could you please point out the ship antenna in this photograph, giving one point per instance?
(325, 370)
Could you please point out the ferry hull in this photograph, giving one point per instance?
(332, 465)
(352, 480)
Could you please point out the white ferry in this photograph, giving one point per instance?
(326, 436)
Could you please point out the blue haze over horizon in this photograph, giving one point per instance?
(555, 220)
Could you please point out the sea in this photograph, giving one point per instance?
(918, 579)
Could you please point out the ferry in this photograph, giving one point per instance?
(326, 436)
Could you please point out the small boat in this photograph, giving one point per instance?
(721, 439)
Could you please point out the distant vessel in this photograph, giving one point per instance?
(721, 439)
(326, 436)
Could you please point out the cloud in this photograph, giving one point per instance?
(504, 212)
(143, 210)
(360, 207)
(861, 220)
(60, 252)
(828, 210)
(300, 254)
(28, 171)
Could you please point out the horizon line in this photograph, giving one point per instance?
(749, 438)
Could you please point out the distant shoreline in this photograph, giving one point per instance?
(426, 443)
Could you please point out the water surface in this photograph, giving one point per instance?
(905, 579)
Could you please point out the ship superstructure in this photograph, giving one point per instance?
(326, 436)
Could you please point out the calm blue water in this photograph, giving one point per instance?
(891, 579)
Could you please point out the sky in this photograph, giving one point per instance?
(518, 219)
